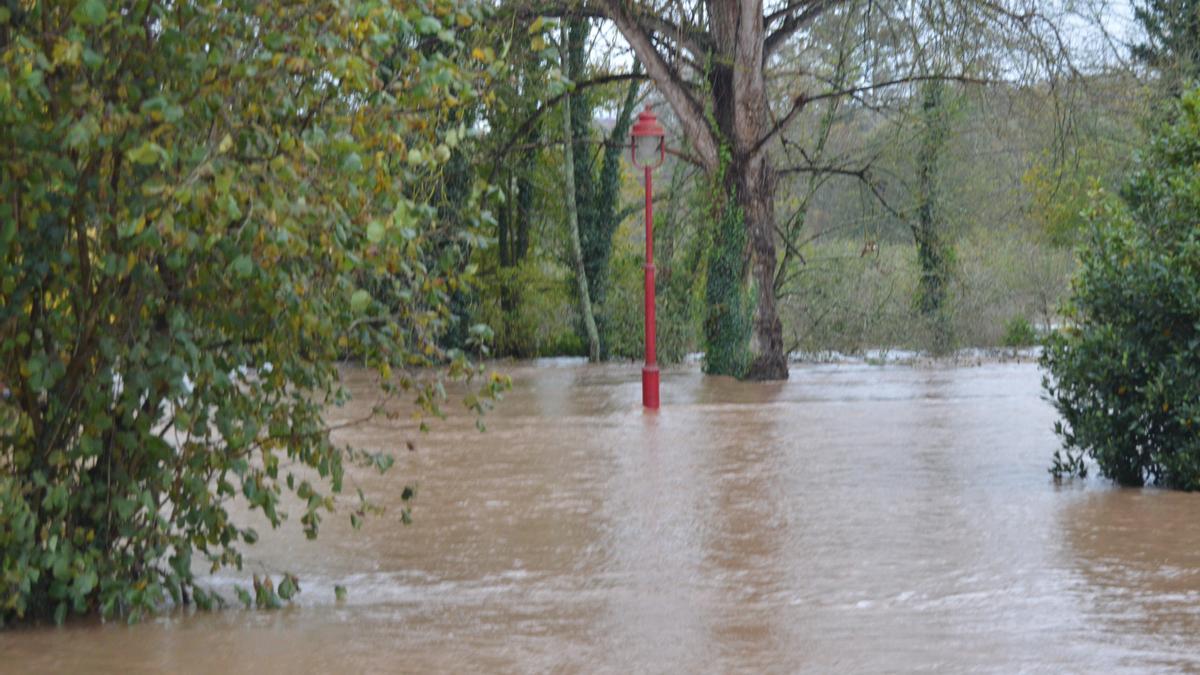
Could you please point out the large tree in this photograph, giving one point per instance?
(715, 61)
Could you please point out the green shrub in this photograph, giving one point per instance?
(1126, 375)
(1018, 332)
(677, 321)
(533, 311)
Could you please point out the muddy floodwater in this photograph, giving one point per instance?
(854, 519)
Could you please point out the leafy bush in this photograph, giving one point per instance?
(202, 204)
(533, 310)
(677, 317)
(1126, 375)
(1018, 332)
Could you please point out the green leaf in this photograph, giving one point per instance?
(340, 593)
(90, 13)
(352, 163)
(92, 58)
(360, 300)
(85, 582)
(375, 232)
(78, 135)
(147, 153)
(288, 588)
(428, 25)
(242, 266)
(383, 461)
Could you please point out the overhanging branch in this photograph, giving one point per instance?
(802, 100)
(527, 125)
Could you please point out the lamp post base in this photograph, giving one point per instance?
(650, 387)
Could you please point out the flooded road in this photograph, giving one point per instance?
(856, 518)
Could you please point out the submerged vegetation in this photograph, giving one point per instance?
(1125, 375)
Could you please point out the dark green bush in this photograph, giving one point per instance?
(532, 310)
(1125, 375)
(677, 306)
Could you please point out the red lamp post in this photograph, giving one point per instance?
(647, 151)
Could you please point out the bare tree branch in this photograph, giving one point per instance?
(526, 126)
(794, 21)
(669, 82)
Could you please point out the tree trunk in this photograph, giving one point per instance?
(756, 197)
(581, 280)
(504, 222)
(741, 115)
(524, 214)
(933, 252)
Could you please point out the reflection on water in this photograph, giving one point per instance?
(855, 518)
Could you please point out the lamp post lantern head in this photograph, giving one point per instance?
(647, 148)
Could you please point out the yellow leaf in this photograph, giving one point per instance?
(66, 52)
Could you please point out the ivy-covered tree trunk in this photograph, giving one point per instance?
(581, 280)
(597, 193)
(740, 106)
(727, 311)
(934, 254)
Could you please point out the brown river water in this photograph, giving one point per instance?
(853, 519)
